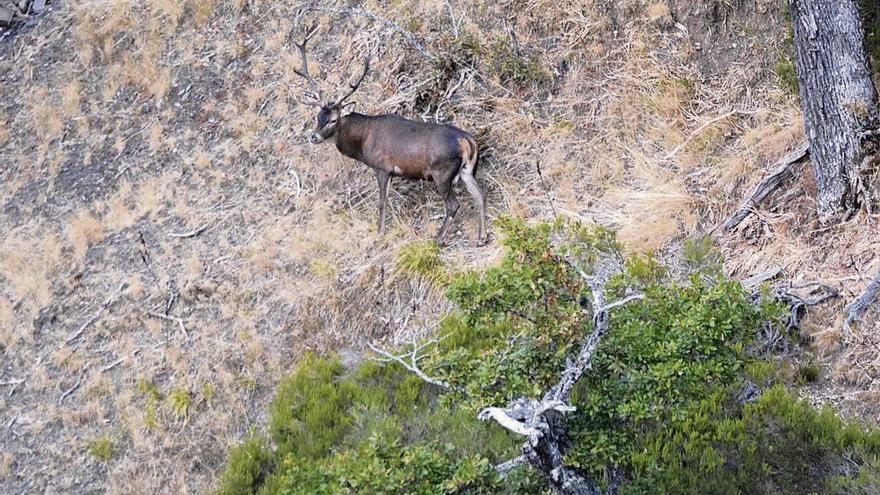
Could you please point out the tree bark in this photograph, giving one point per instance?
(839, 102)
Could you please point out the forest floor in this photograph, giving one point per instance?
(171, 246)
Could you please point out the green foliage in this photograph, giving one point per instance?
(660, 401)
(180, 403)
(101, 448)
(778, 444)
(387, 467)
(308, 414)
(248, 466)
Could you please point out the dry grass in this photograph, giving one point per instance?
(83, 231)
(184, 115)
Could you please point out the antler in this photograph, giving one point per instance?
(356, 85)
(309, 97)
(305, 58)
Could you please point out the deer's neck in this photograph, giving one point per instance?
(351, 132)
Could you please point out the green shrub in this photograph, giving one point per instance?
(660, 401)
(248, 466)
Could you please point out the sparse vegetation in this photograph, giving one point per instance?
(123, 123)
(180, 403)
(101, 448)
(422, 259)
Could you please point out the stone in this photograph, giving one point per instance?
(6, 16)
(38, 6)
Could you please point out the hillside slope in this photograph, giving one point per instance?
(153, 162)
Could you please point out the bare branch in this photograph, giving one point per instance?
(507, 466)
(412, 365)
(98, 314)
(540, 420)
(175, 319)
(780, 173)
(186, 235)
(857, 308)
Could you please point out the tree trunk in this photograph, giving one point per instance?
(839, 102)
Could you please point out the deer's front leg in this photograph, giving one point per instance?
(382, 177)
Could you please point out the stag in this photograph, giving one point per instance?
(397, 147)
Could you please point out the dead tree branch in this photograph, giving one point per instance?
(413, 364)
(781, 173)
(857, 308)
(540, 421)
(186, 235)
(97, 315)
(175, 319)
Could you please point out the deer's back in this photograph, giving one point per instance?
(413, 149)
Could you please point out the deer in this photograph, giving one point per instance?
(394, 146)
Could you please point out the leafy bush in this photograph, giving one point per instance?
(660, 402)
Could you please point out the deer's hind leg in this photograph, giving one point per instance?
(382, 177)
(444, 187)
(470, 182)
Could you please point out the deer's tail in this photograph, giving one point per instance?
(470, 153)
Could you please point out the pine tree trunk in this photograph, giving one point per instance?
(840, 103)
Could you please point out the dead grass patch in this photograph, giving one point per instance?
(83, 231)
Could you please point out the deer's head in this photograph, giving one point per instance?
(331, 110)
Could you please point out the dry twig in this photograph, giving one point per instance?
(186, 235)
(97, 315)
(175, 319)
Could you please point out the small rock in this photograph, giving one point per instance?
(6, 16)
(38, 6)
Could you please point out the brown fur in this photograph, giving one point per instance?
(397, 147)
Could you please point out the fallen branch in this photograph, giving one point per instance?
(857, 308)
(761, 277)
(175, 319)
(702, 128)
(780, 173)
(98, 314)
(70, 390)
(412, 365)
(186, 235)
(507, 466)
(119, 361)
(14, 383)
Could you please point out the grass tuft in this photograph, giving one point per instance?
(101, 448)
